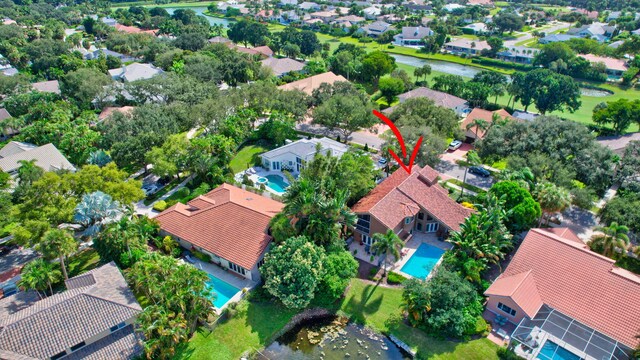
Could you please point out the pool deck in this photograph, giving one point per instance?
(410, 247)
(228, 277)
(257, 172)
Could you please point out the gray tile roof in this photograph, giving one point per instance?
(15, 147)
(122, 344)
(135, 71)
(282, 66)
(438, 97)
(51, 325)
(4, 114)
(47, 86)
(306, 147)
(47, 157)
(415, 33)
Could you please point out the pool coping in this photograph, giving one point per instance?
(412, 245)
(431, 272)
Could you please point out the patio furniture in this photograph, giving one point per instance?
(190, 259)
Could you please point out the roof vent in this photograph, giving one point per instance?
(249, 198)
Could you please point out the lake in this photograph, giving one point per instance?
(436, 65)
(200, 11)
(332, 338)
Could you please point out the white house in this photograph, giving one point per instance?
(294, 155)
(412, 36)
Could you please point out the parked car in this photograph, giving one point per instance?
(4, 249)
(480, 171)
(455, 145)
(382, 161)
(149, 189)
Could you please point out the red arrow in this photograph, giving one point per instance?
(396, 132)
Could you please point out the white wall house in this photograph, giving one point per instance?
(294, 155)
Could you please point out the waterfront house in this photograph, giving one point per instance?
(412, 36)
(466, 46)
(458, 105)
(556, 293)
(408, 204)
(229, 224)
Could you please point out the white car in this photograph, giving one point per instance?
(455, 145)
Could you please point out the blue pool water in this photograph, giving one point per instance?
(553, 351)
(422, 261)
(223, 291)
(277, 183)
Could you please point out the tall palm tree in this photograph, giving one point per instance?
(615, 239)
(472, 160)
(39, 275)
(163, 330)
(58, 243)
(479, 124)
(388, 245)
(552, 199)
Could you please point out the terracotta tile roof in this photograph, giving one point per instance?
(311, 83)
(134, 29)
(521, 288)
(107, 111)
(485, 115)
(610, 63)
(228, 221)
(579, 283)
(565, 233)
(53, 324)
(260, 50)
(402, 195)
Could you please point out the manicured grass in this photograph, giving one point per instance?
(82, 262)
(380, 308)
(248, 330)
(256, 322)
(170, 5)
(244, 159)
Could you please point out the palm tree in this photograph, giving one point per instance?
(479, 124)
(552, 199)
(58, 243)
(614, 241)
(163, 330)
(38, 275)
(388, 244)
(472, 160)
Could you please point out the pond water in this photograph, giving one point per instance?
(594, 92)
(200, 11)
(436, 65)
(332, 338)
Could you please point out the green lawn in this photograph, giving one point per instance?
(248, 330)
(169, 5)
(377, 307)
(245, 157)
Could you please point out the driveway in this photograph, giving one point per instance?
(16, 258)
(450, 170)
(580, 221)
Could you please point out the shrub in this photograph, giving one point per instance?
(629, 263)
(181, 193)
(201, 256)
(582, 198)
(160, 205)
(505, 353)
(372, 273)
(246, 180)
(201, 190)
(391, 46)
(395, 278)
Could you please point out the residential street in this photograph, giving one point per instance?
(529, 35)
(450, 170)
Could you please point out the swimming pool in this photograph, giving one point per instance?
(223, 291)
(422, 261)
(553, 351)
(277, 183)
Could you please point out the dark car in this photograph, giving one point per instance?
(480, 171)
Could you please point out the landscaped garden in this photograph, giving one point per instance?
(254, 323)
(245, 157)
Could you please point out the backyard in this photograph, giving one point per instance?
(255, 323)
(246, 156)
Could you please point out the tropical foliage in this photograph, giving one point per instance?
(39, 275)
(387, 245)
